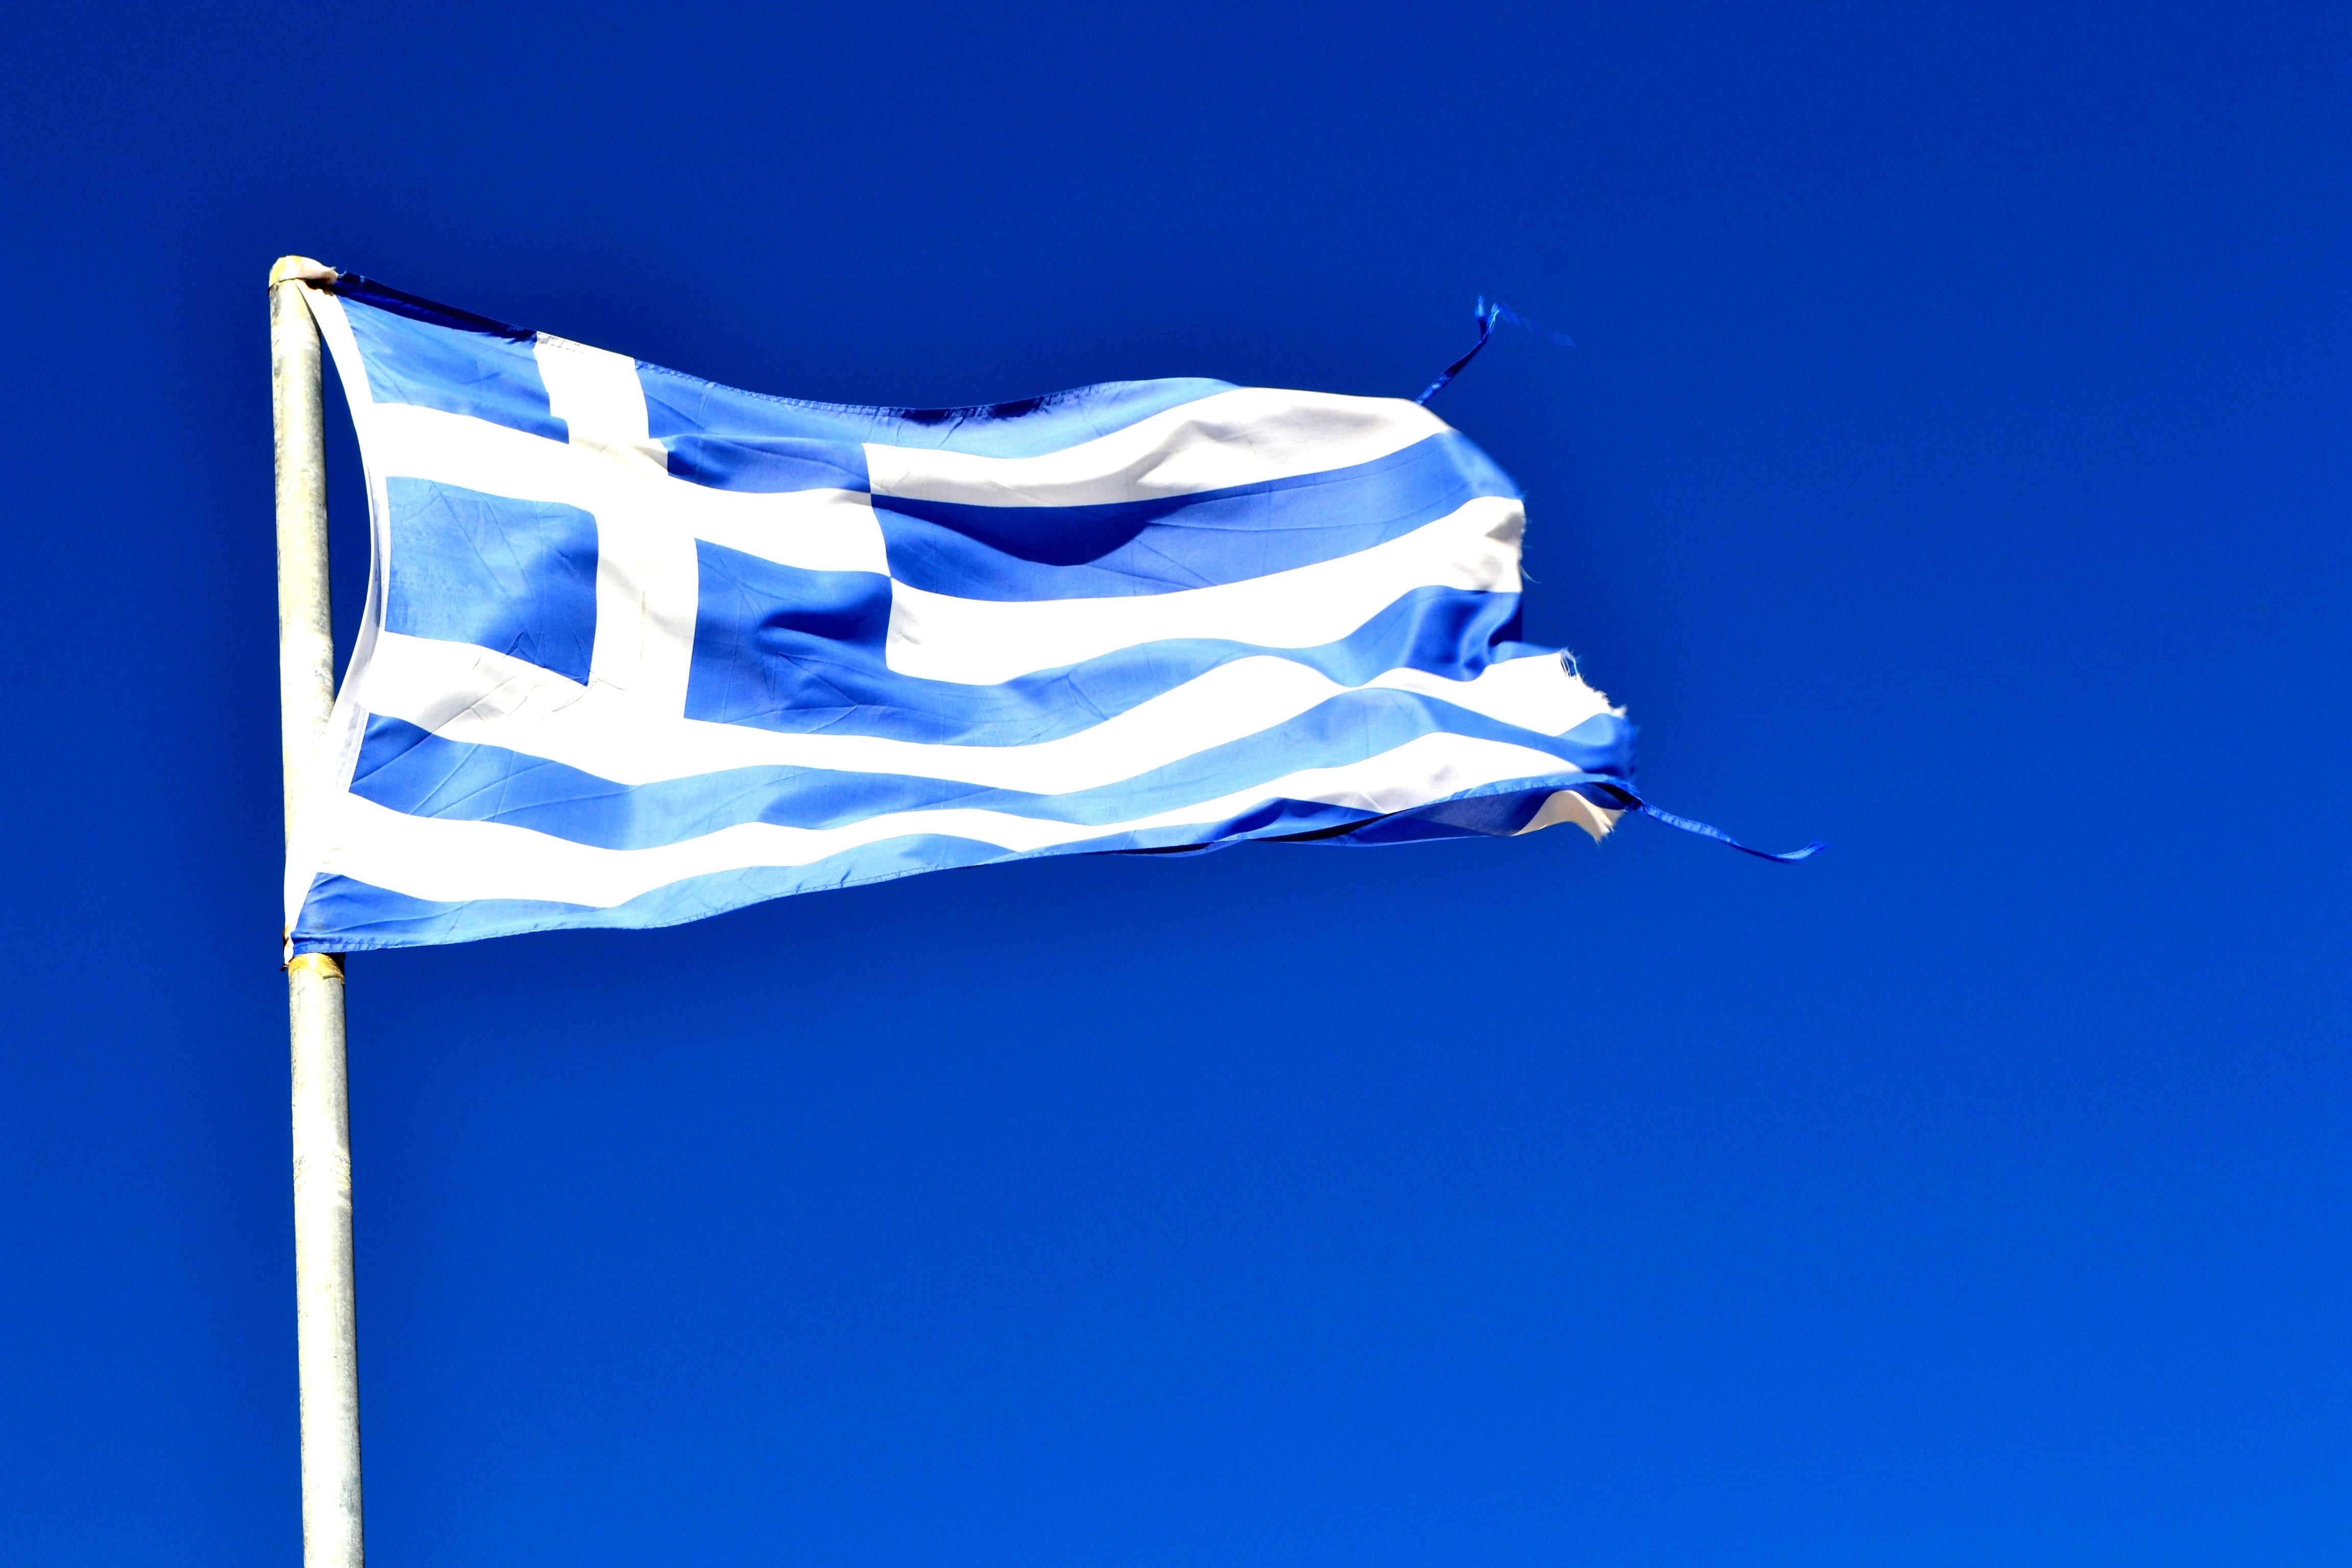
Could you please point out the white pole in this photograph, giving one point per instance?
(325, 1316)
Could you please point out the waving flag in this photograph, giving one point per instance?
(640, 649)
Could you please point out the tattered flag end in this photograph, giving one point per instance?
(1487, 313)
(1784, 857)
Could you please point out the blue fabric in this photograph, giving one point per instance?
(1174, 543)
(516, 576)
(1487, 313)
(1486, 319)
(1784, 857)
(487, 375)
(767, 464)
(684, 405)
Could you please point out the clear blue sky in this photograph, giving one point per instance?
(1952, 464)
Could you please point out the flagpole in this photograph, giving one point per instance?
(326, 1320)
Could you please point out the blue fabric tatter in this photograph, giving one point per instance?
(1785, 858)
(1487, 313)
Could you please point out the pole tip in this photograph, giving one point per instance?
(300, 269)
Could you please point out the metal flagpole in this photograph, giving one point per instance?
(325, 1315)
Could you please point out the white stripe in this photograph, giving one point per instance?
(983, 642)
(1247, 436)
(470, 694)
(452, 861)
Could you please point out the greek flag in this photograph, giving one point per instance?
(639, 648)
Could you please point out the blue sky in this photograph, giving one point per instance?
(1952, 464)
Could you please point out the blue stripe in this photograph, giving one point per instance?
(426, 361)
(768, 464)
(342, 914)
(780, 649)
(685, 405)
(411, 770)
(1784, 857)
(517, 577)
(1174, 543)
